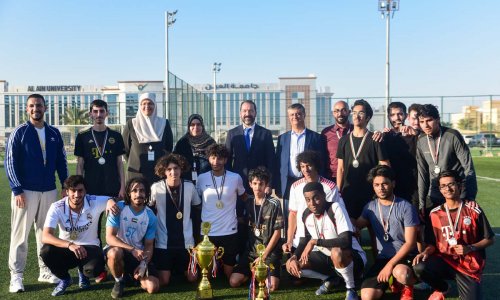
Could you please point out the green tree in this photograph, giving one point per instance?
(465, 124)
(75, 116)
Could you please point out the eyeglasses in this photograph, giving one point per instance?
(450, 185)
(338, 111)
(358, 113)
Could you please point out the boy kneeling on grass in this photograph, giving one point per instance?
(264, 227)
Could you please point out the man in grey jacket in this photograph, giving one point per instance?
(439, 149)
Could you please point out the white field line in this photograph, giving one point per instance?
(488, 178)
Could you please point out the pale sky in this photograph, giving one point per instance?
(447, 47)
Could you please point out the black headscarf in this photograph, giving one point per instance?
(199, 144)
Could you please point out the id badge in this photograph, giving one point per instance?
(151, 156)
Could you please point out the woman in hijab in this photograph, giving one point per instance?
(147, 137)
(193, 146)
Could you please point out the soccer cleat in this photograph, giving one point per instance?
(407, 293)
(117, 290)
(351, 294)
(16, 283)
(47, 276)
(437, 295)
(83, 281)
(103, 277)
(61, 287)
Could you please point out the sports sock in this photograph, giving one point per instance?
(348, 275)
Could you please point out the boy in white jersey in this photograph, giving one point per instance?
(130, 237)
(77, 245)
(327, 227)
(175, 200)
(219, 189)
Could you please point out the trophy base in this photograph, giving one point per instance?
(204, 294)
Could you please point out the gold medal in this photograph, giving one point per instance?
(219, 204)
(178, 215)
(73, 235)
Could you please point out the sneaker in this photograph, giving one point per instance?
(351, 294)
(16, 283)
(47, 276)
(61, 287)
(83, 281)
(407, 293)
(117, 290)
(103, 277)
(437, 295)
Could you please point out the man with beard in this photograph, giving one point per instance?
(99, 151)
(440, 148)
(401, 145)
(412, 117)
(358, 153)
(332, 135)
(77, 244)
(34, 152)
(250, 146)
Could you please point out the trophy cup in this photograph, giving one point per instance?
(260, 270)
(205, 253)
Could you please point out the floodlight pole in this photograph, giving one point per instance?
(169, 21)
(215, 70)
(387, 8)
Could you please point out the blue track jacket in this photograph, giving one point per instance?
(24, 160)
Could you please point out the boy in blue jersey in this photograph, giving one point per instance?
(130, 237)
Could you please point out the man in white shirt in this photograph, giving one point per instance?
(219, 190)
(77, 245)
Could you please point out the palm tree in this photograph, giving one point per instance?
(74, 116)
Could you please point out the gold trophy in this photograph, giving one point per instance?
(260, 270)
(204, 253)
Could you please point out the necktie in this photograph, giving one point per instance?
(247, 138)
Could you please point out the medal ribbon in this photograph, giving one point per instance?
(257, 218)
(219, 195)
(356, 154)
(180, 202)
(73, 225)
(319, 233)
(339, 136)
(455, 227)
(384, 224)
(435, 151)
(101, 152)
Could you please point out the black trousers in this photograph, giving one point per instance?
(435, 271)
(61, 260)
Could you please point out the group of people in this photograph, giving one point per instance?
(413, 186)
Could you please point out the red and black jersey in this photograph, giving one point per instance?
(472, 227)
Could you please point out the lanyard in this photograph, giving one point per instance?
(455, 227)
(318, 232)
(384, 223)
(356, 154)
(219, 195)
(339, 136)
(435, 151)
(99, 149)
(257, 218)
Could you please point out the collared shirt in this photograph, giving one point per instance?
(251, 131)
(332, 135)
(297, 144)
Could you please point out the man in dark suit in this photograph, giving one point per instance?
(290, 144)
(250, 145)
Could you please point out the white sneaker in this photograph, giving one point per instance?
(47, 276)
(16, 283)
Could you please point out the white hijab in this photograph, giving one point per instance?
(148, 129)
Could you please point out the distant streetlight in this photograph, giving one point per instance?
(169, 21)
(215, 70)
(387, 8)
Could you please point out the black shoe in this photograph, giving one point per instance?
(117, 290)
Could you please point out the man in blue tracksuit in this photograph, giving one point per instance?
(33, 154)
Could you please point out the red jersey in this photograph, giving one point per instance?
(472, 227)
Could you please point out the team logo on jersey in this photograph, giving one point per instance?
(89, 216)
(134, 220)
(52, 139)
(467, 220)
(91, 141)
(111, 141)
